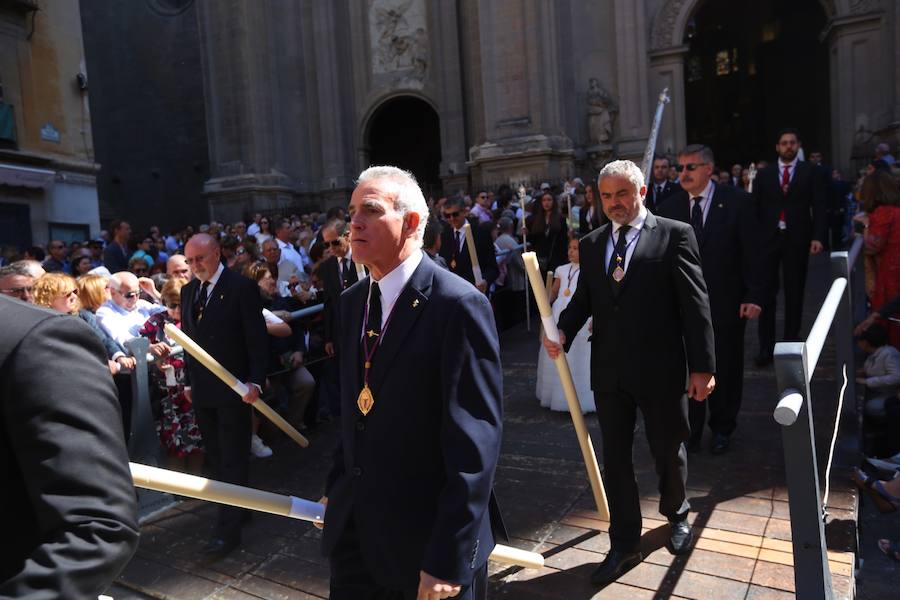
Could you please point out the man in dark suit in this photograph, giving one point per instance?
(724, 221)
(455, 252)
(660, 187)
(337, 272)
(222, 312)
(71, 516)
(643, 285)
(790, 198)
(408, 496)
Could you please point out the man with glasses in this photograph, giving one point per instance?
(282, 270)
(56, 262)
(660, 187)
(455, 252)
(222, 312)
(16, 282)
(727, 231)
(177, 267)
(337, 272)
(482, 208)
(123, 315)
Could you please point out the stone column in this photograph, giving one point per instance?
(860, 105)
(523, 127)
(241, 116)
(667, 70)
(631, 65)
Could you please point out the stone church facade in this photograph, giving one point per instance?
(523, 90)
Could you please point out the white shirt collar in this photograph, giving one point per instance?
(636, 223)
(706, 194)
(782, 164)
(215, 278)
(392, 284)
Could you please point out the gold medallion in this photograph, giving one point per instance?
(618, 274)
(366, 400)
(568, 292)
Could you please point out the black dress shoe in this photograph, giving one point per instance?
(719, 444)
(763, 359)
(682, 537)
(219, 547)
(693, 444)
(614, 566)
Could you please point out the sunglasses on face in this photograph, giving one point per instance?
(689, 167)
(335, 243)
(173, 305)
(130, 295)
(452, 215)
(18, 291)
(70, 293)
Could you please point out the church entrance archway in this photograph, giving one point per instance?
(405, 132)
(753, 68)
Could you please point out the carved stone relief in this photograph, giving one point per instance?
(601, 112)
(399, 36)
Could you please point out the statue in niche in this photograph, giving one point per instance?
(398, 30)
(601, 113)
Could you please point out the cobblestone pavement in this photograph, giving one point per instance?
(739, 508)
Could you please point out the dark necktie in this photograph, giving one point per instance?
(200, 304)
(697, 216)
(373, 323)
(344, 274)
(621, 246)
(659, 189)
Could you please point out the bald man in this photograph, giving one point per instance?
(123, 315)
(177, 267)
(222, 311)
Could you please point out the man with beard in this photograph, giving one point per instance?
(790, 198)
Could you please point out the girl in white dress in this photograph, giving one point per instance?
(549, 388)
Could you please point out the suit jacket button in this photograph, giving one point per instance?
(360, 426)
(357, 471)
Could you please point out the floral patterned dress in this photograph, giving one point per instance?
(176, 425)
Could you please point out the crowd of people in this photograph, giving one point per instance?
(754, 227)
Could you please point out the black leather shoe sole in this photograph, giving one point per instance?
(609, 571)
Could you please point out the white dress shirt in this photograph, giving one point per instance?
(792, 168)
(392, 284)
(289, 253)
(123, 325)
(705, 199)
(637, 224)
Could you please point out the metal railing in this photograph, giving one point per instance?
(795, 363)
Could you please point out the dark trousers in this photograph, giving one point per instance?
(791, 258)
(666, 423)
(226, 439)
(351, 580)
(725, 401)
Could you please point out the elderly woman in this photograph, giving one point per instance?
(285, 355)
(176, 425)
(93, 291)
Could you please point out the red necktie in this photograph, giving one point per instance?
(785, 184)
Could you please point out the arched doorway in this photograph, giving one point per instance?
(753, 68)
(405, 132)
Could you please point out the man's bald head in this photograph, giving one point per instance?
(124, 289)
(202, 255)
(178, 268)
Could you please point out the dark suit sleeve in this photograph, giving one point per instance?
(254, 327)
(487, 258)
(751, 250)
(819, 206)
(66, 435)
(471, 426)
(693, 302)
(578, 310)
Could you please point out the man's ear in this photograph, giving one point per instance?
(412, 220)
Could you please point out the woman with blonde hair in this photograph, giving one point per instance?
(57, 291)
(93, 291)
(176, 425)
